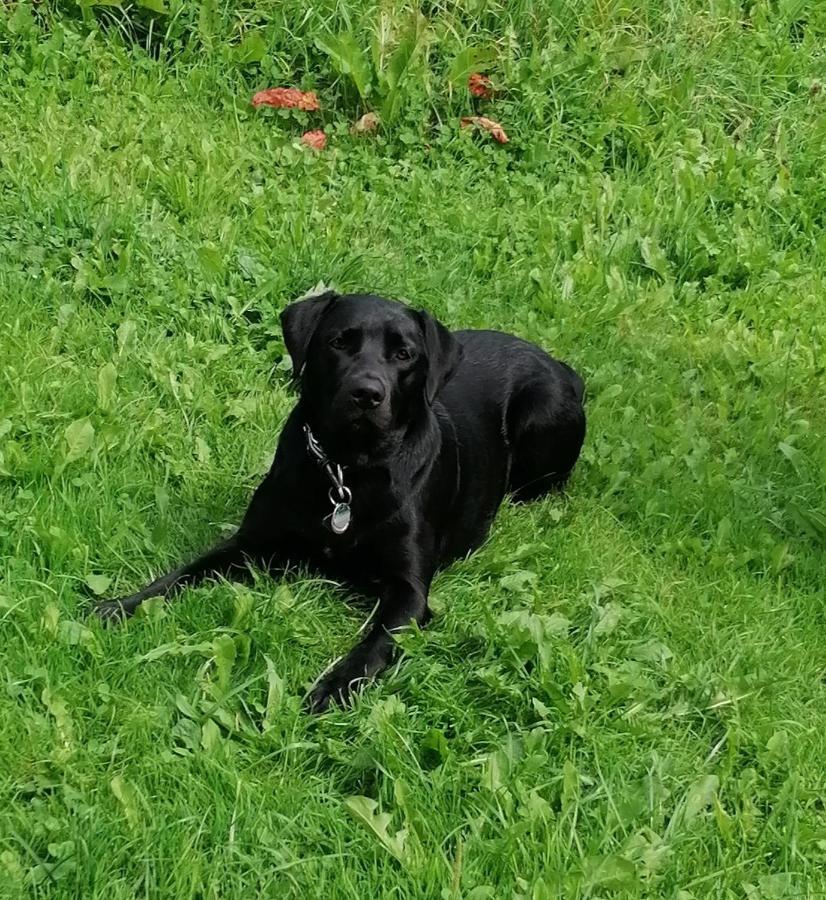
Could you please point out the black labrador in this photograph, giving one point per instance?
(404, 441)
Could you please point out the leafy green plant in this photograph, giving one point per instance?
(467, 61)
(382, 76)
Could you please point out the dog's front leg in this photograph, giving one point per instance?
(402, 601)
(229, 558)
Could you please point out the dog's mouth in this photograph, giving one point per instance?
(345, 428)
(368, 422)
(360, 419)
(357, 431)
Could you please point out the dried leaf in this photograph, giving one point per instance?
(367, 124)
(480, 86)
(316, 140)
(287, 98)
(493, 128)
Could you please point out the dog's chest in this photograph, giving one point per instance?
(341, 527)
(343, 534)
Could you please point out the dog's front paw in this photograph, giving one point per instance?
(337, 686)
(112, 612)
(361, 665)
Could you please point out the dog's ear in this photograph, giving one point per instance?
(298, 324)
(443, 354)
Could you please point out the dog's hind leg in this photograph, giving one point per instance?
(230, 558)
(546, 428)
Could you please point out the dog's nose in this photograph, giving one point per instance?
(368, 396)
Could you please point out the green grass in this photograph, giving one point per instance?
(623, 691)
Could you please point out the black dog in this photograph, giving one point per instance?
(403, 444)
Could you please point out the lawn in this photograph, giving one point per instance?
(622, 693)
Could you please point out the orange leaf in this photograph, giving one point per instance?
(286, 98)
(480, 86)
(497, 132)
(315, 139)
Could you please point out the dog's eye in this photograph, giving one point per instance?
(338, 343)
(403, 354)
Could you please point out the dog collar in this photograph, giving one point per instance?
(340, 495)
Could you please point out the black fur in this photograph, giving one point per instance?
(433, 429)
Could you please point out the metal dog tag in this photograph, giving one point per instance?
(340, 518)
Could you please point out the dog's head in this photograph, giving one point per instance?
(367, 366)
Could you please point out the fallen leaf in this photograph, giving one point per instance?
(315, 139)
(480, 86)
(369, 122)
(286, 98)
(494, 128)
